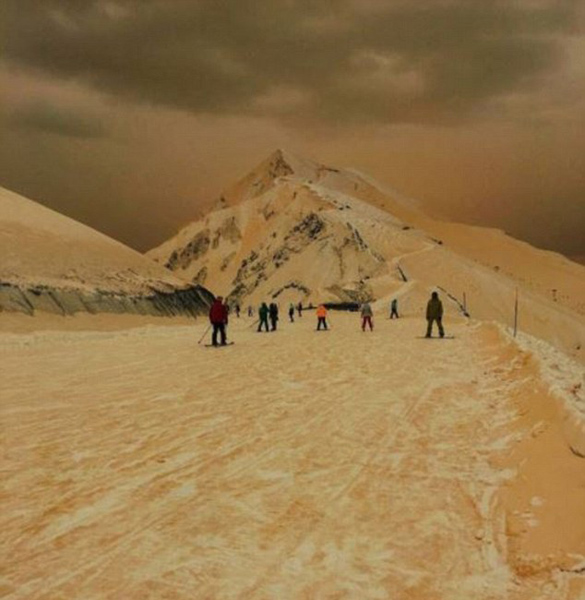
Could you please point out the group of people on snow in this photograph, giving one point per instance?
(268, 316)
(265, 313)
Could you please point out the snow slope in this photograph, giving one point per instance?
(53, 263)
(293, 230)
(139, 465)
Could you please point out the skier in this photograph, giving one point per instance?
(218, 315)
(367, 315)
(300, 309)
(273, 310)
(238, 311)
(263, 316)
(394, 309)
(321, 317)
(435, 313)
(291, 312)
(250, 311)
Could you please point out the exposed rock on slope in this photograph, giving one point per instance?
(52, 263)
(292, 231)
(295, 230)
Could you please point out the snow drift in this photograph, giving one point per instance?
(53, 264)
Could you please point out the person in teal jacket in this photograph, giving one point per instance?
(263, 315)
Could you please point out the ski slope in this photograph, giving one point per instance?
(137, 464)
(293, 230)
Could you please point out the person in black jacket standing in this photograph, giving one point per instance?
(273, 310)
(435, 313)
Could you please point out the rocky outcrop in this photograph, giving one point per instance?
(201, 276)
(205, 240)
(360, 293)
(229, 231)
(254, 270)
(191, 301)
(293, 285)
(183, 257)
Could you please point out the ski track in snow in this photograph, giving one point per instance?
(140, 465)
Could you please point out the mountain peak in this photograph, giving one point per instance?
(280, 163)
(283, 162)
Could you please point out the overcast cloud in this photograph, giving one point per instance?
(393, 62)
(45, 117)
(129, 115)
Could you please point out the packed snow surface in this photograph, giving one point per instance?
(138, 464)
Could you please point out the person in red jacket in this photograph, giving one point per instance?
(218, 315)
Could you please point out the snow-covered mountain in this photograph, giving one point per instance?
(55, 264)
(295, 230)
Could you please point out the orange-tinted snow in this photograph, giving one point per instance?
(137, 464)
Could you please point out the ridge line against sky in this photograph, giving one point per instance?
(129, 116)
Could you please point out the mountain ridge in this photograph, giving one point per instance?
(338, 237)
(54, 264)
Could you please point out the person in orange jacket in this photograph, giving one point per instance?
(321, 317)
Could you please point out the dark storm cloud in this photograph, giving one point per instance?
(46, 118)
(384, 61)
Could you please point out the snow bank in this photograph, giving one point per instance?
(566, 381)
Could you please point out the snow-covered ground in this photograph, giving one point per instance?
(138, 464)
(294, 230)
(42, 247)
(53, 264)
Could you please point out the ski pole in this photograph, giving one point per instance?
(204, 334)
(516, 314)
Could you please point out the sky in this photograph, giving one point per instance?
(133, 115)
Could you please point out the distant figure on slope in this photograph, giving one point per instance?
(435, 313)
(273, 309)
(218, 315)
(263, 316)
(238, 311)
(291, 312)
(321, 317)
(250, 311)
(300, 309)
(367, 315)
(394, 309)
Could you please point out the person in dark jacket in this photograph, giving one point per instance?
(291, 312)
(300, 309)
(394, 309)
(218, 315)
(435, 313)
(263, 317)
(273, 309)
